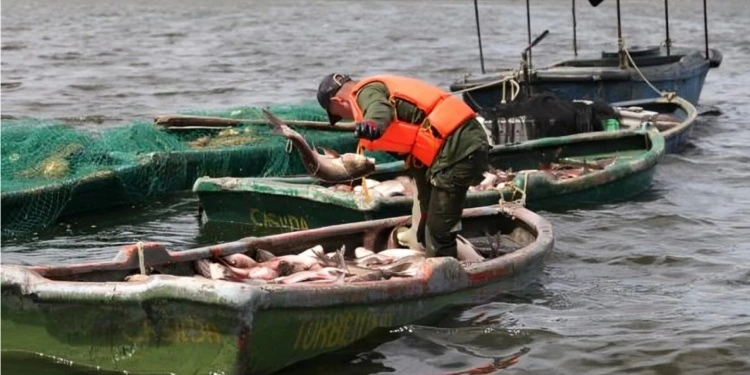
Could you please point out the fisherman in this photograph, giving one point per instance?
(444, 145)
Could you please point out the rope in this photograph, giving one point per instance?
(665, 94)
(514, 90)
(141, 260)
(365, 190)
(508, 206)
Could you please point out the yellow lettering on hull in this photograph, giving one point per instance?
(261, 218)
(176, 331)
(326, 331)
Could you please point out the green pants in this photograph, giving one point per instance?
(441, 201)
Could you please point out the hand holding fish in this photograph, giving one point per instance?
(330, 167)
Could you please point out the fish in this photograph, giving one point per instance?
(311, 252)
(137, 277)
(240, 260)
(405, 267)
(375, 275)
(211, 270)
(293, 263)
(398, 254)
(328, 274)
(341, 187)
(300, 263)
(267, 270)
(408, 237)
(390, 188)
(370, 183)
(401, 268)
(330, 167)
(407, 182)
(262, 273)
(466, 251)
(361, 252)
(374, 259)
(490, 180)
(333, 259)
(263, 255)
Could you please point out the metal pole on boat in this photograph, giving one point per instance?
(528, 28)
(620, 51)
(668, 42)
(575, 44)
(705, 25)
(479, 35)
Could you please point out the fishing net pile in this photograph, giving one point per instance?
(544, 115)
(51, 169)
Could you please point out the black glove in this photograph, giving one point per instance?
(367, 129)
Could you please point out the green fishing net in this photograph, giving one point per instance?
(51, 169)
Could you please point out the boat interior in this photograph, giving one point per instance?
(491, 231)
(664, 116)
(643, 57)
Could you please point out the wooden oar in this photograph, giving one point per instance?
(207, 122)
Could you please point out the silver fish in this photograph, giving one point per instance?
(240, 261)
(368, 182)
(330, 167)
(374, 259)
(398, 254)
(300, 263)
(329, 274)
(406, 267)
(341, 187)
(466, 252)
(490, 180)
(263, 255)
(311, 251)
(268, 270)
(375, 275)
(408, 237)
(211, 270)
(137, 277)
(361, 252)
(390, 188)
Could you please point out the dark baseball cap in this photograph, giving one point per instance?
(329, 86)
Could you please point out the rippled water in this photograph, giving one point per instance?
(657, 285)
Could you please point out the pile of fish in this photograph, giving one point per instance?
(314, 266)
(493, 179)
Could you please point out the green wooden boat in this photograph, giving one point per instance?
(295, 203)
(85, 315)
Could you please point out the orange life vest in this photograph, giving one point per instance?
(444, 113)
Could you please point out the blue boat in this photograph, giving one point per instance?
(673, 117)
(626, 74)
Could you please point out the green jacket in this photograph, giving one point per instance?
(373, 100)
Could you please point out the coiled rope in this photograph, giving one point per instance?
(509, 205)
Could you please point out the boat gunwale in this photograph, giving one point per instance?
(437, 276)
(556, 72)
(690, 110)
